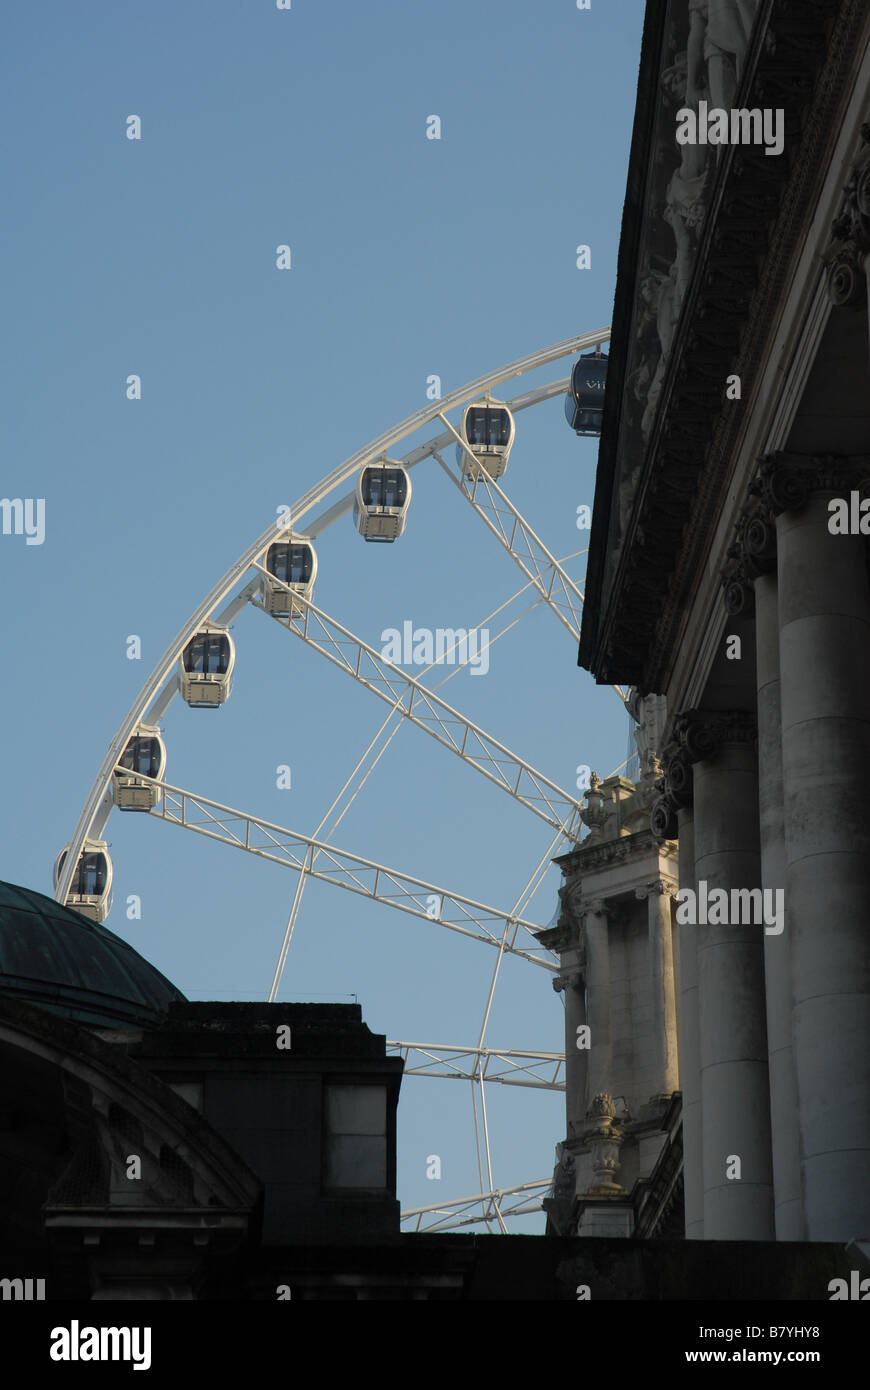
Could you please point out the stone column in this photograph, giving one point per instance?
(824, 612)
(753, 582)
(735, 1102)
(672, 818)
(598, 998)
(576, 1059)
(664, 1068)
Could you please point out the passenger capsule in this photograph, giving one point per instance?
(294, 563)
(144, 754)
(488, 428)
(584, 403)
(207, 667)
(90, 891)
(383, 494)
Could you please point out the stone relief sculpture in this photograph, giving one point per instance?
(719, 33)
(709, 68)
(660, 293)
(683, 211)
(650, 712)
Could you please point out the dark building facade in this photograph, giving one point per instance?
(157, 1149)
(728, 577)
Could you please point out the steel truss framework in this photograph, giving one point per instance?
(484, 1208)
(410, 701)
(476, 747)
(542, 1070)
(516, 535)
(321, 860)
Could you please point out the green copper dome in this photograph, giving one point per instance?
(53, 957)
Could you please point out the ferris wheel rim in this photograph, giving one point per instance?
(145, 698)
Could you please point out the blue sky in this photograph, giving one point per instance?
(410, 257)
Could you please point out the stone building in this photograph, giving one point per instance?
(619, 1170)
(728, 576)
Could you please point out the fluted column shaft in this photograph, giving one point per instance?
(576, 1059)
(598, 999)
(785, 1135)
(690, 1046)
(735, 1101)
(665, 1070)
(824, 608)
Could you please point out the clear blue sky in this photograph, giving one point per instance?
(410, 257)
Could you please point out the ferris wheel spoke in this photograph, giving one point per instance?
(360, 774)
(514, 533)
(431, 902)
(444, 723)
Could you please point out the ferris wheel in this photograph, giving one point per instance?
(277, 574)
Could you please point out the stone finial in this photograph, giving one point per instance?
(603, 1137)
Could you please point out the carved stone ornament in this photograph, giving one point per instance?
(850, 231)
(596, 906)
(658, 887)
(572, 979)
(784, 481)
(563, 1178)
(675, 792)
(847, 284)
(702, 733)
(603, 1138)
(751, 553)
(663, 819)
(570, 903)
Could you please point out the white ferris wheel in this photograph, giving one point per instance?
(277, 574)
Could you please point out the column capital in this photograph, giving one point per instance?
(675, 791)
(655, 887)
(751, 554)
(596, 906)
(784, 481)
(703, 733)
(850, 235)
(568, 979)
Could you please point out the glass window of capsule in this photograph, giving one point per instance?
(144, 754)
(89, 879)
(487, 426)
(208, 653)
(384, 487)
(290, 563)
(584, 403)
